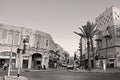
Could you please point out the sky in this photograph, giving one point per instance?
(59, 18)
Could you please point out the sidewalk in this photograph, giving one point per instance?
(30, 70)
(14, 78)
(97, 70)
(49, 69)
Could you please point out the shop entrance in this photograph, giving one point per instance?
(36, 61)
(111, 63)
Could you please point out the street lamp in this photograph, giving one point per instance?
(10, 61)
(20, 52)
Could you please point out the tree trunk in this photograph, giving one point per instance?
(93, 53)
(88, 48)
(80, 46)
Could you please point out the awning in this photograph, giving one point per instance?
(6, 57)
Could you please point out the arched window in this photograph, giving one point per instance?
(16, 39)
(10, 36)
(4, 34)
(46, 42)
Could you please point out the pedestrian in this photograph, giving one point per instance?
(5, 67)
(44, 67)
(39, 66)
(2, 64)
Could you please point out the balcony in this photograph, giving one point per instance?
(106, 34)
(98, 38)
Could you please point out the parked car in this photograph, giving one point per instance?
(64, 64)
(70, 66)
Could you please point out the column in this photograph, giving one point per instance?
(46, 64)
(116, 64)
(42, 63)
(29, 62)
(21, 61)
(16, 62)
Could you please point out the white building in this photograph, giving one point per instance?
(108, 40)
(37, 51)
(109, 17)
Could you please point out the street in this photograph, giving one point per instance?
(67, 75)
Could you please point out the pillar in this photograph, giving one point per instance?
(46, 62)
(21, 62)
(29, 62)
(42, 63)
(16, 62)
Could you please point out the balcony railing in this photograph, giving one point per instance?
(106, 34)
(98, 38)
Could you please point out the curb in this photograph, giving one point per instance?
(94, 71)
(27, 70)
(14, 78)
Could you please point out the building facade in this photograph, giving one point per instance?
(38, 46)
(108, 40)
(58, 56)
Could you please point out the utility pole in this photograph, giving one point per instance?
(20, 53)
(19, 60)
(10, 61)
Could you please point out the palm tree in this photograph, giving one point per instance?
(87, 32)
(93, 53)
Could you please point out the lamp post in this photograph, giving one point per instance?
(22, 51)
(10, 61)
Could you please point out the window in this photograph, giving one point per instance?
(111, 18)
(46, 42)
(110, 14)
(4, 34)
(118, 16)
(16, 40)
(10, 36)
(27, 38)
(0, 33)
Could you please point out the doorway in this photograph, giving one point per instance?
(36, 61)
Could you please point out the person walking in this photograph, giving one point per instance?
(5, 67)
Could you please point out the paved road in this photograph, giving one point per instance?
(67, 75)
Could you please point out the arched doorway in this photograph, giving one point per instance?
(36, 61)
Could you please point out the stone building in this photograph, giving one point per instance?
(108, 40)
(58, 56)
(38, 46)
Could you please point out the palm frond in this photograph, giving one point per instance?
(82, 30)
(95, 32)
(76, 33)
(80, 34)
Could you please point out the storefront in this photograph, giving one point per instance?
(5, 57)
